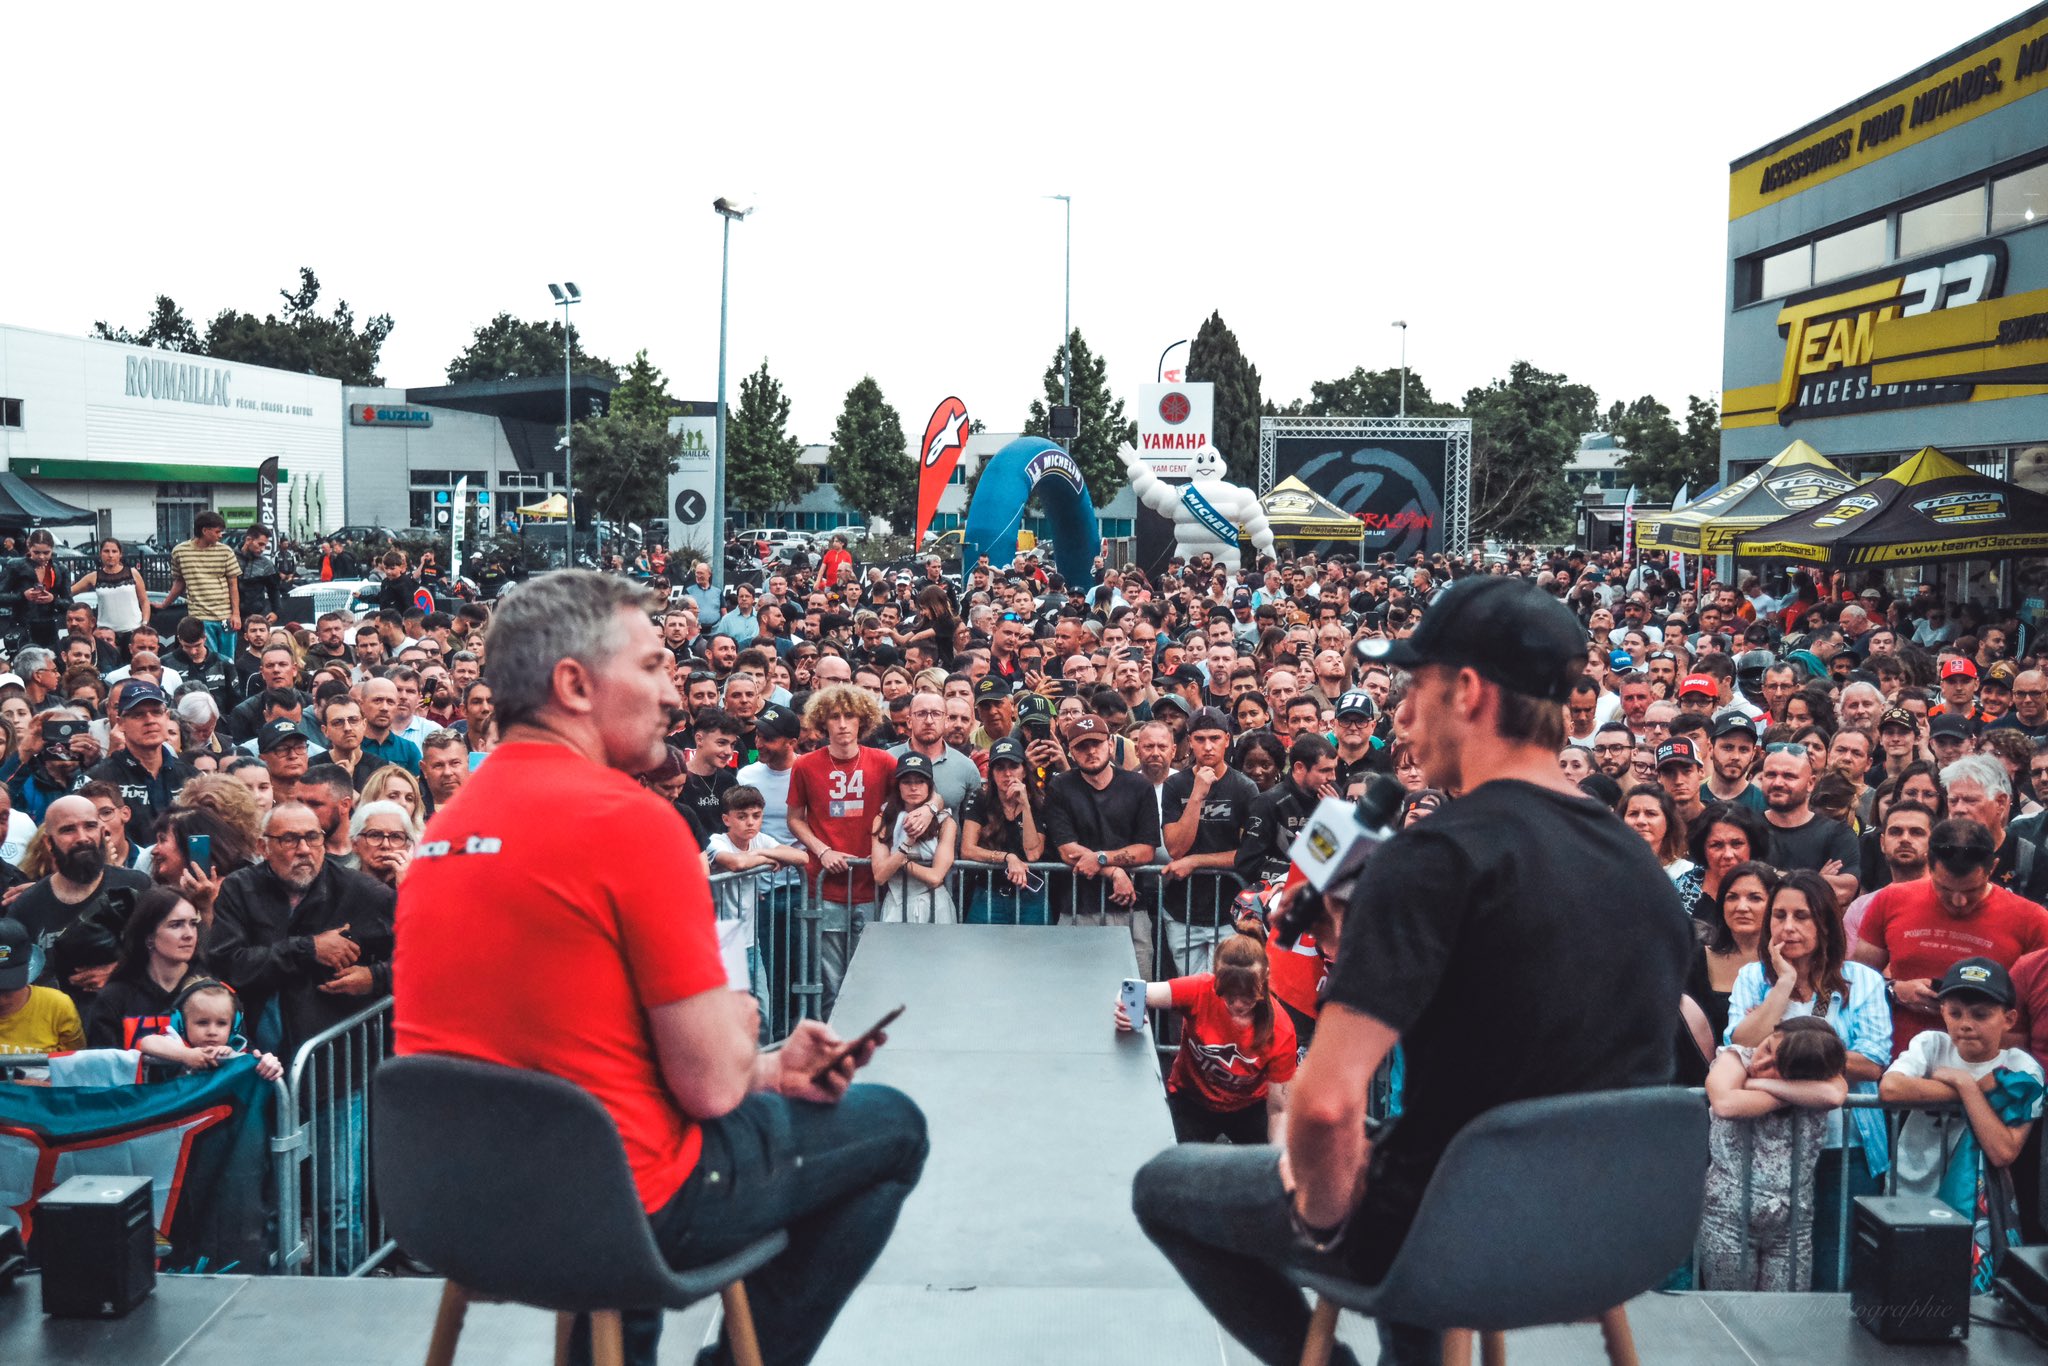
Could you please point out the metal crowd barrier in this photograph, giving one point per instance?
(328, 1223)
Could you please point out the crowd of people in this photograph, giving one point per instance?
(1841, 782)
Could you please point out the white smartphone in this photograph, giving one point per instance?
(1034, 881)
(1134, 1002)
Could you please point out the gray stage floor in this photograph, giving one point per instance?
(1017, 1249)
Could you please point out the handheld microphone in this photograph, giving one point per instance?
(1332, 846)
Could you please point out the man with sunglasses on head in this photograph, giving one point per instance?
(1800, 836)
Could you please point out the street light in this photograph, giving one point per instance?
(1404, 366)
(1161, 376)
(1067, 336)
(566, 294)
(729, 211)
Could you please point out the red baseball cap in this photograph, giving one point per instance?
(1699, 683)
(1954, 665)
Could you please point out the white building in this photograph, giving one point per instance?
(148, 439)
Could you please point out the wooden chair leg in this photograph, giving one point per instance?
(1458, 1347)
(1615, 1335)
(447, 1325)
(607, 1339)
(565, 1329)
(1322, 1334)
(739, 1325)
(1493, 1349)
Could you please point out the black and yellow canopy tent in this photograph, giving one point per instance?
(1930, 508)
(1796, 478)
(1297, 512)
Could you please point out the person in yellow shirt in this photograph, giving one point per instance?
(32, 1019)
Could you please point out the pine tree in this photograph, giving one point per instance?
(1215, 358)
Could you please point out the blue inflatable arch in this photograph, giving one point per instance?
(1032, 463)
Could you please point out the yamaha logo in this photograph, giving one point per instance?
(1174, 408)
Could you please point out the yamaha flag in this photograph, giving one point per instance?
(200, 1138)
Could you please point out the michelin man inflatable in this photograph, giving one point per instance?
(1206, 512)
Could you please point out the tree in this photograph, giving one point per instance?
(300, 339)
(168, 329)
(870, 459)
(643, 392)
(1104, 429)
(761, 468)
(1214, 357)
(1369, 393)
(1660, 457)
(1525, 428)
(623, 460)
(513, 348)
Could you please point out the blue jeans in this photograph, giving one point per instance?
(831, 1176)
(1220, 1215)
(1008, 905)
(342, 1183)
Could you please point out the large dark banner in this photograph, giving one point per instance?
(1394, 485)
(266, 497)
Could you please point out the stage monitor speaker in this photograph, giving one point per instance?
(1909, 1271)
(2023, 1284)
(96, 1241)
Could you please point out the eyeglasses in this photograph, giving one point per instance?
(288, 838)
(385, 837)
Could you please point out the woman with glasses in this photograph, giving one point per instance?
(382, 833)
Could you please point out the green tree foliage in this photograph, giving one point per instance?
(1525, 429)
(299, 338)
(761, 469)
(1661, 457)
(1369, 393)
(514, 348)
(1104, 429)
(623, 460)
(871, 465)
(1214, 357)
(643, 391)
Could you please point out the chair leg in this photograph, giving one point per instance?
(565, 1329)
(1322, 1334)
(739, 1325)
(1615, 1334)
(607, 1339)
(1493, 1349)
(1458, 1347)
(447, 1325)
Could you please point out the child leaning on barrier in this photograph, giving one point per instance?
(1999, 1089)
(746, 904)
(205, 1031)
(1770, 1107)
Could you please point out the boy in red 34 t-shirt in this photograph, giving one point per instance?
(1237, 1048)
(834, 795)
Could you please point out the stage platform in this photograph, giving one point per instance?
(1017, 1249)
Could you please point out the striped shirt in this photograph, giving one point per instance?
(206, 570)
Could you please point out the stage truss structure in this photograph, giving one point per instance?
(1454, 432)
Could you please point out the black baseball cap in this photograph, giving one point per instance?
(1952, 725)
(992, 688)
(279, 733)
(1678, 751)
(776, 721)
(16, 947)
(1508, 630)
(1899, 716)
(1978, 977)
(1357, 702)
(1208, 718)
(1732, 723)
(1006, 751)
(1188, 673)
(913, 765)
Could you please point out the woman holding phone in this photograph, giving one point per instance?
(1004, 825)
(1237, 1049)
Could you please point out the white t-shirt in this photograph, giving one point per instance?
(15, 842)
(1927, 1138)
(774, 789)
(736, 901)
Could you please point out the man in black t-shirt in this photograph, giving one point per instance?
(75, 915)
(1800, 836)
(708, 772)
(1103, 821)
(1469, 941)
(1202, 816)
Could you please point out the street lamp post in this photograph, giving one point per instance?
(1067, 336)
(565, 294)
(729, 211)
(1404, 366)
(1160, 378)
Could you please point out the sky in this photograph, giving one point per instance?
(1545, 183)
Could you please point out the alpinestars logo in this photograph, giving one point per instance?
(1219, 1064)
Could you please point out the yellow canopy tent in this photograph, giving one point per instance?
(1297, 512)
(1796, 478)
(552, 508)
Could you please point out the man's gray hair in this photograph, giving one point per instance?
(294, 808)
(563, 614)
(29, 661)
(1981, 769)
(1861, 688)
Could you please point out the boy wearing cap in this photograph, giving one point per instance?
(1680, 772)
(1958, 691)
(32, 1019)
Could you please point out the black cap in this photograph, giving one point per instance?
(1899, 716)
(777, 722)
(279, 733)
(1188, 673)
(1357, 702)
(1173, 700)
(1208, 718)
(1981, 977)
(1732, 723)
(1678, 751)
(1952, 726)
(992, 687)
(1006, 751)
(913, 765)
(16, 947)
(1508, 630)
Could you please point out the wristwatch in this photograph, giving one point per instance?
(1101, 858)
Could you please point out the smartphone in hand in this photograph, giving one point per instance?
(1133, 994)
(845, 1051)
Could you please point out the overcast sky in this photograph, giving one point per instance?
(1538, 182)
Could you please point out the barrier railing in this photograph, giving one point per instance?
(328, 1223)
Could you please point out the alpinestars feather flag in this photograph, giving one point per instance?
(945, 437)
(199, 1137)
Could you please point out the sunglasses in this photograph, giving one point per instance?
(1013, 616)
(1785, 747)
(1954, 852)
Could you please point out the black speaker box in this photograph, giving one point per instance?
(96, 1242)
(1909, 1271)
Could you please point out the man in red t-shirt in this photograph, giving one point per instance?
(576, 938)
(1915, 931)
(835, 793)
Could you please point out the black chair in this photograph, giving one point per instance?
(1543, 1211)
(513, 1185)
